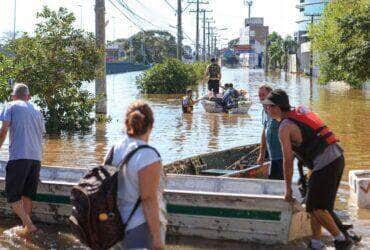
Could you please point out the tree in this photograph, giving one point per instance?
(279, 49)
(5, 76)
(275, 50)
(54, 63)
(158, 45)
(341, 42)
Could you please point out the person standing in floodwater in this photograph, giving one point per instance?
(270, 139)
(27, 127)
(213, 73)
(141, 183)
(303, 134)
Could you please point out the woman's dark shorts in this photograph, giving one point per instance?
(276, 170)
(214, 86)
(323, 186)
(22, 177)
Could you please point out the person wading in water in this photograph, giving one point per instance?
(213, 73)
(27, 127)
(303, 134)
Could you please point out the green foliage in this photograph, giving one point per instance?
(158, 45)
(5, 75)
(54, 63)
(279, 49)
(171, 76)
(341, 42)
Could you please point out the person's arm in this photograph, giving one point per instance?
(149, 181)
(261, 156)
(3, 132)
(206, 73)
(286, 146)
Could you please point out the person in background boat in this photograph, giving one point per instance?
(213, 73)
(230, 97)
(270, 139)
(303, 133)
(143, 177)
(188, 102)
(27, 127)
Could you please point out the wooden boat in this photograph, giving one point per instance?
(214, 207)
(205, 206)
(212, 107)
(234, 162)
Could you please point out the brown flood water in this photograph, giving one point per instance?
(177, 136)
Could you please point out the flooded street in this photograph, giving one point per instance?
(177, 136)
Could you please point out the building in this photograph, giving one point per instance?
(114, 52)
(253, 38)
(309, 12)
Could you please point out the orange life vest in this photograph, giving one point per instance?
(316, 136)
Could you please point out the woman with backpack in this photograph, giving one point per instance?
(140, 183)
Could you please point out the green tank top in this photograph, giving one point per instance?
(214, 70)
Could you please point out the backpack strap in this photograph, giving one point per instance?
(124, 161)
(127, 158)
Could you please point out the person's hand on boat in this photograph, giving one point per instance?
(289, 195)
(260, 159)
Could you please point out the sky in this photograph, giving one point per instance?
(229, 15)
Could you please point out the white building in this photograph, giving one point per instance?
(254, 33)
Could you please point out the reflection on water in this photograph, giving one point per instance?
(178, 135)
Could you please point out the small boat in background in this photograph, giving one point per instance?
(242, 107)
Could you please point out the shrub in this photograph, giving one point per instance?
(171, 76)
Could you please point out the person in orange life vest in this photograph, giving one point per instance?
(304, 135)
(188, 102)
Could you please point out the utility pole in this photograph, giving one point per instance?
(204, 34)
(100, 80)
(143, 48)
(131, 48)
(15, 18)
(208, 40)
(266, 52)
(215, 46)
(311, 52)
(197, 2)
(179, 30)
(210, 34)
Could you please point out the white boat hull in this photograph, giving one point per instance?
(212, 107)
(209, 207)
(359, 181)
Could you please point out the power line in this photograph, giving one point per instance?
(173, 8)
(125, 6)
(134, 23)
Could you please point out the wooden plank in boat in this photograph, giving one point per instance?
(217, 172)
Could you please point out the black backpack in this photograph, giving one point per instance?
(95, 218)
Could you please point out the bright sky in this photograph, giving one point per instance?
(279, 15)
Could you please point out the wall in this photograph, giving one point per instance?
(122, 67)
